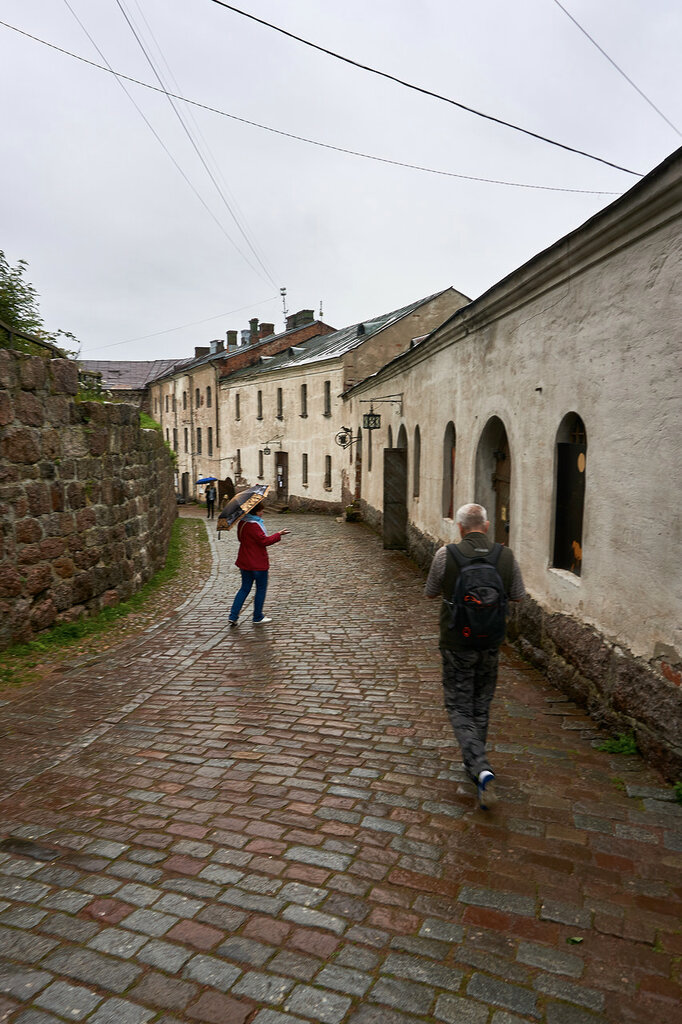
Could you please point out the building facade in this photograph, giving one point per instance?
(554, 400)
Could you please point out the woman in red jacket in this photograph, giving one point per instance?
(253, 562)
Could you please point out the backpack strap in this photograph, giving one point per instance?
(492, 557)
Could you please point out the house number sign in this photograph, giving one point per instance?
(371, 421)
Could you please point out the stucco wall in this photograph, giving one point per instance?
(591, 327)
(86, 498)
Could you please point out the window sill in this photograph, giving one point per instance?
(565, 574)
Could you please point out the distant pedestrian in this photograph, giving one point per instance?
(253, 563)
(488, 576)
(210, 494)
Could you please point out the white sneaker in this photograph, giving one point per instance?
(261, 622)
(486, 795)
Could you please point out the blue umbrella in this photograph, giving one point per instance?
(207, 479)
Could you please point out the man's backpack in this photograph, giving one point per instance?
(479, 603)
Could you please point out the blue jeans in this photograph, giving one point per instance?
(249, 577)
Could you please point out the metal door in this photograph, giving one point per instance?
(395, 498)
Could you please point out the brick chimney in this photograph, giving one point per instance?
(304, 316)
(266, 330)
(253, 330)
(198, 352)
(231, 340)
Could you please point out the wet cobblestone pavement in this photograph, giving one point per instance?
(271, 825)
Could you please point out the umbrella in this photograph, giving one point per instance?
(207, 480)
(241, 504)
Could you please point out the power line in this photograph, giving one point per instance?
(618, 69)
(418, 88)
(301, 138)
(182, 327)
(192, 140)
(160, 140)
(197, 128)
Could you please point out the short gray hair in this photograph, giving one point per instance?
(471, 516)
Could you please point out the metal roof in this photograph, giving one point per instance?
(129, 375)
(331, 346)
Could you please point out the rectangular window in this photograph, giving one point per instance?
(280, 406)
(304, 469)
(328, 472)
(208, 397)
(168, 435)
(174, 406)
(198, 440)
(166, 403)
(304, 399)
(197, 398)
(237, 406)
(327, 398)
(184, 399)
(175, 439)
(260, 405)
(210, 440)
(186, 439)
(260, 464)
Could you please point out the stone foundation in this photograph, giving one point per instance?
(299, 503)
(87, 498)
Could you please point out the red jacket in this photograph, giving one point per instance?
(253, 545)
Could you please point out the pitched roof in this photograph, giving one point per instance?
(129, 375)
(331, 346)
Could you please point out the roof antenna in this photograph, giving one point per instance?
(283, 293)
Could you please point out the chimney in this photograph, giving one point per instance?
(304, 316)
(246, 334)
(217, 346)
(361, 330)
(266, 330)
(198, 352)
(253, 332)
(231, 340)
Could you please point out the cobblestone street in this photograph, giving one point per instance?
(271, 825)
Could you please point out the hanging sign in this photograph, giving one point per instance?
(371, 421)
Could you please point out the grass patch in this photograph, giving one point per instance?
(17, 659)
(147, 423)
(623, 743)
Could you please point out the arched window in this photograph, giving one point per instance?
(570, 465)
(449, 450)
(416, 468)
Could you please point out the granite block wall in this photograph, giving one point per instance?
(87, 498)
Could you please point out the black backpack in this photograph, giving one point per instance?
(479, 603)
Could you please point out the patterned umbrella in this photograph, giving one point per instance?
(240, 505)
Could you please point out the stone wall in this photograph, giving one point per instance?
(87, 498)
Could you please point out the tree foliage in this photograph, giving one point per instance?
(19, 305)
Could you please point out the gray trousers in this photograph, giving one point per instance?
(469, 680)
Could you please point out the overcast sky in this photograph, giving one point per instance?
(125, 248)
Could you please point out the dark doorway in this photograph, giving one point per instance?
(493, 478)
(281, 476)
(185, 486)
(395, 498)
(226, 489)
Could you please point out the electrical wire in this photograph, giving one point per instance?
(196, 127)
(182, 327)
(420, 89)
(161, 142)
(208, 170)
(301, 138)
(618, 69)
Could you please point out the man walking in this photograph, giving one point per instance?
(474, 578)
(210, 495)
